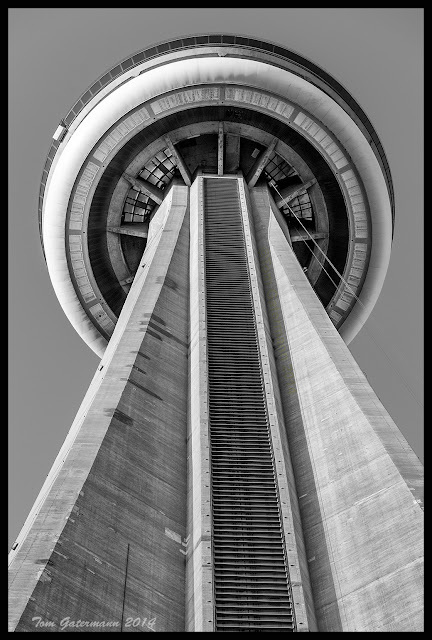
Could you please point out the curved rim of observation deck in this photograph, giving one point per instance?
(314, 74)
(134, 82)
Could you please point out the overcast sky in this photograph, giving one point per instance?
(55, 54)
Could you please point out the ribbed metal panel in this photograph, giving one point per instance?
(252, 591)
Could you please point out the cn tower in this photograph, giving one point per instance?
(216, 214)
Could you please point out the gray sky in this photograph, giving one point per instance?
(55, 54)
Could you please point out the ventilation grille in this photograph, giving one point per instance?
(252, 592)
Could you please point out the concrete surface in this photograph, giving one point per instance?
(105, 542)
(358, 482)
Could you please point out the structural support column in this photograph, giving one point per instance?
(185, 173)
(243, 517)
(105, 541)
(260, 163)
(200, 615)
(220, 149)
(357, 479)
(297, 566)
(232, 153)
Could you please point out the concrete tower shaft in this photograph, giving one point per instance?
(230, 467)
(216, 215)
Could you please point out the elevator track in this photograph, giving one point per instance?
(252, 591)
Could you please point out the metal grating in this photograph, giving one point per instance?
(252, 591)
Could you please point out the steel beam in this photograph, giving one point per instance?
(185, 173)
(138, 229)
(298, 237)
(290, 193)
(146, 187)
(260, 163)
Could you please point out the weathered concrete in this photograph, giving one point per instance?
(232, 151)
(109, 539)
(199, 560)
(357, 479)
(304, 613)
(105, 541)
(220, 148)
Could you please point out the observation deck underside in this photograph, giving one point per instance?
(218, 104)
(317, 214)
